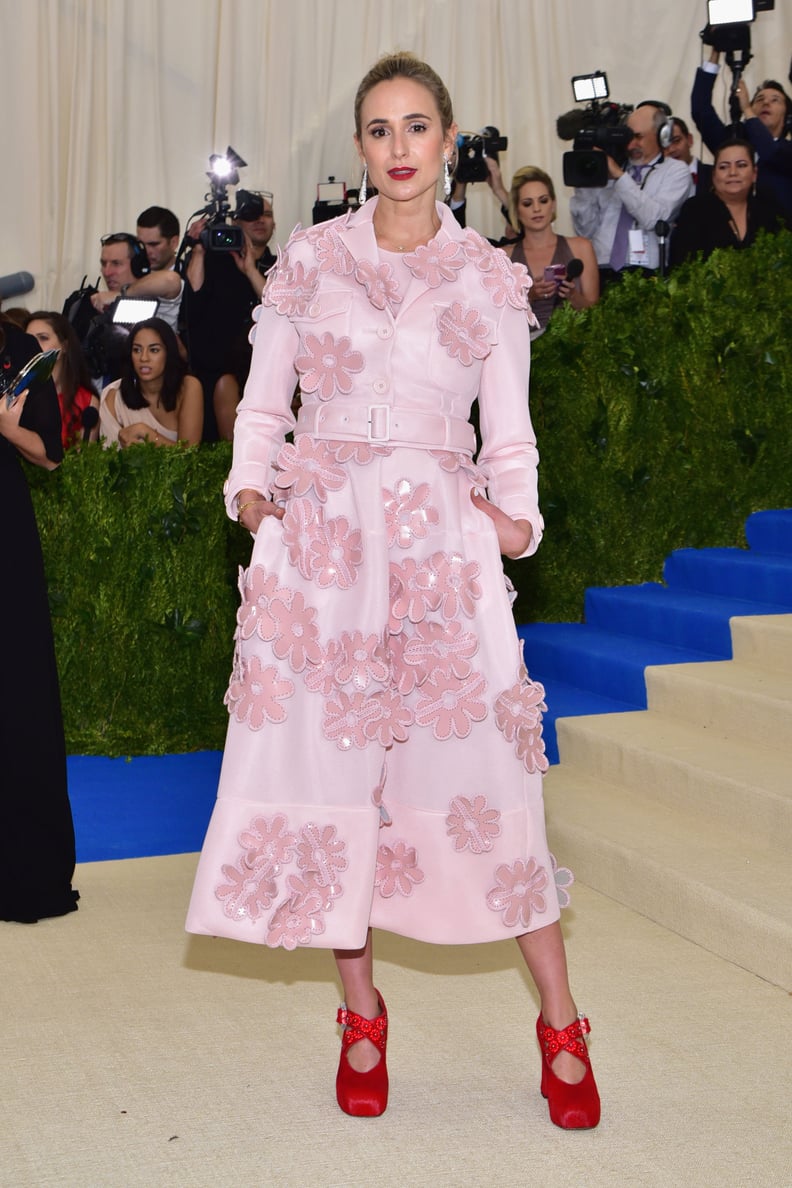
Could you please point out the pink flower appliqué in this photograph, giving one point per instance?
(362, 661)
(298, 919)
(319, 852)
(463, 333)
(298, 529)
(380, 282)
(291, 290)
(563, 878)
(357, 451)
(328, 365)
(445, 648)
(247, 893)
(308, 464)
(450, 706)
(449, 460)
(479, 251)
(346, 717)
(255, 697)
(267, 842)
(394, 719)
(336, 552)
(508, 282)
(297, 635)
(413, 591)
(332, 255)
(397, 870)
(254, 615)
(434, 262)
(406, 677)
(320, 677)
(454, 583)
(522, 705)
(408, 513)
(517, 893)
(472, 825)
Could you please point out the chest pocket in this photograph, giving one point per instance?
(327, 312)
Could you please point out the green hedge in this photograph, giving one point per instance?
(664, 417)
(141, 563)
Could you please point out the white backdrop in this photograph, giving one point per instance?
(110, 106)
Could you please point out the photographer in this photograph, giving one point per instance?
(620, 218)
(766, 125)
(222, 288)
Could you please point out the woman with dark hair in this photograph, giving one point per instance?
(383, 763)
(731, 214)
(71, 377)
(36, 833)
(156, 399)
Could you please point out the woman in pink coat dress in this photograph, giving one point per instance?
(383, 766)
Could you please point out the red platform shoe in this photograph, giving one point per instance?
(572, 1107)
(363, 1094)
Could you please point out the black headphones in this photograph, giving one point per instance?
(665, 131)
(139, 257)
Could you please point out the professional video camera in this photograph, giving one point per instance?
(728, 31)
(600, 125)
(333, 199)
(473, 148)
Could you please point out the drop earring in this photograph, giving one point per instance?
(363, 185)
(446, 178)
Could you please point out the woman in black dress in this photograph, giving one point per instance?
(36, 833)
(729, 216)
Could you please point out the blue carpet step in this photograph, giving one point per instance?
(770, 531)
(607, 663)
(733, 573)
(685, 619)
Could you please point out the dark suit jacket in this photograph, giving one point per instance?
(774, 156)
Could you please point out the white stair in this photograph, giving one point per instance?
(684, 811)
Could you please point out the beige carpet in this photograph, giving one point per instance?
(134, 1055)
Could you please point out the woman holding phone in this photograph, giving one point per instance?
(546, 255)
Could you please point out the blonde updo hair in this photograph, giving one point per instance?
(405, 65)
(528, 173)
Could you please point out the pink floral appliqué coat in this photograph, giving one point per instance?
(384, 757)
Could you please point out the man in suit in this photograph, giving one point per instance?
(680, 147)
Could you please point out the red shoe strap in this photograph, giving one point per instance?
(357, 1028)
(569, 1039)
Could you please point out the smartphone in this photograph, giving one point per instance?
(35, 373)
(556, 273)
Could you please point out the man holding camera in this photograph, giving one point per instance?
(222, 288)
(621, 218)
(766, 124)
(152, 252)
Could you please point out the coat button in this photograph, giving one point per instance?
(380, 386)
(385, 331)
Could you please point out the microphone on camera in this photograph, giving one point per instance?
(574, 269)
(15, 284)
(90, 419)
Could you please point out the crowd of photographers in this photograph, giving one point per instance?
(642, 201)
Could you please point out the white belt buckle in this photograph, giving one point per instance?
(379, 422)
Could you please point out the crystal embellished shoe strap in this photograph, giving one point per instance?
(357, 1028)
(569, 1039)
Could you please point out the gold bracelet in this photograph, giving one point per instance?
(244, 506)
